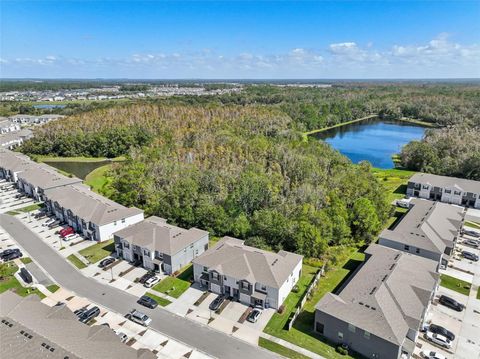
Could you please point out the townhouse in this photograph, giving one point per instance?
(12, 163)
(8, 126)
(381, 310)
(11, 140)
(34, 119)
(31, 329)
(249, 275)
(160, 246)
(445, 189)
(38, 178)
(89, 213)
(429, 229)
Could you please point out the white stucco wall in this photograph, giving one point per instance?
(106, 231)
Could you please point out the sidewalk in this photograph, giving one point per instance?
(294, 347)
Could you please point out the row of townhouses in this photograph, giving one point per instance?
(34, 119)
(380, 311)
(445, 189)
(246, 274)
(6, 125)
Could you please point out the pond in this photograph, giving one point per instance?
(48, 107)
(77, 168)
(372, 140)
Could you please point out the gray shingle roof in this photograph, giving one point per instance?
(14, 161)
(45, 177)
(155, 234)
(444, 181)
(231, 257)
(89, 205)
(58, 328)
(387, 295)
(427, 225)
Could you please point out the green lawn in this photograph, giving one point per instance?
(302, 333)
(99, 180)
(26, 260)
(455, 284)
(161, 301)
(280, 349)
(98, 251)
(396, 217)
(175, 287)
(9, 282)
(472, 224)
(53, 288)
(30, 208)
(478, 293)
(76, 262)
(394, 180)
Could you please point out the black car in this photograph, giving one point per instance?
(9, 251)
(470, 255)
(79, 312)
(11, 255)
(54, 224)
(217, 302)
(451, 303)
(146, 277)
(147, 302)
(471, 233)
(106, 262)
(40, 215)
(442, 331)
(89, 314)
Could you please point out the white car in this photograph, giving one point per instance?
(404, 203)
(427, 354)
(48, 222)
(149, 283)
(438, 339)
(70, 236)
(123, 337)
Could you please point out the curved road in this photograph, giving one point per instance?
(189, 332)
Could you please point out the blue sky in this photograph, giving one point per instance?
(236, 39)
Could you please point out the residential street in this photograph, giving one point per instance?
(198, 336)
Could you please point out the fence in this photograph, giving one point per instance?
(306, 296)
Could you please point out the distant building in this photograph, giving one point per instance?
(381, 310)
(249, 275)
(445, 189)
(429, 229)
(8, 126)
(13, 139)
(33, 330)
(160, 246)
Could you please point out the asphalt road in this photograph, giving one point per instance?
(198, 336)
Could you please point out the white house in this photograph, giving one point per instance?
(249, 275)
(8, 126)
(160, 246)
(89, 213)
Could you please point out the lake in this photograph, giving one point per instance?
(49, 107)
(372, 140)
(77, 168)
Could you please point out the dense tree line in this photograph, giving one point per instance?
(233, 170)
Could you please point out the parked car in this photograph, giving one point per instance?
(404, 203)
(123, 337)
(40, 215)
(9, 251)
(150, 282)
(440, 330)
(469, 255)
(70, 236)
(139, 317)
(80, 311)
(89, 314)
(471, 232)
(147, 302)
(217, 302)
(254, 315)
(472, 243)
(66, 231)
(146, 276)
(106, 262)
(48, 222)
(10, 255)
(428, 354)
(26, 276)
(438, 339)
(20, 195)
(451, 303)
(54, 224)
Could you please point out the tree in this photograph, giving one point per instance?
(365, 223)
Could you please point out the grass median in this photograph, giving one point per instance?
(161, 301)
(176, 286)
(458, 285)
(280, 349)
(98, 251)
(76, 261)
(9, 282)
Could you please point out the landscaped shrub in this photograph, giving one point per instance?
(281, 309)
(342, 350)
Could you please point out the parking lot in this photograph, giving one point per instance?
(465, 325)
(8, 200)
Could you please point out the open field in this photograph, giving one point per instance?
(395, 181)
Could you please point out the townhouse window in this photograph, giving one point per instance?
(366, 334)
(115, 223)
(417, 250)
(448, 191)
(196, 251)
(123, 220)
(425, 186)
(126, 245)
(224, 277)
(191, 245)
(407, 248)
(205, 269)
(146, 252)
(215, 276)
(457, 193)
(352, 328)
(245, 285)
(340, 335)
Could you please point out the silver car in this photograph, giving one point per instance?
(139, 318)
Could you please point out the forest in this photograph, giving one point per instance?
(233, 170)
